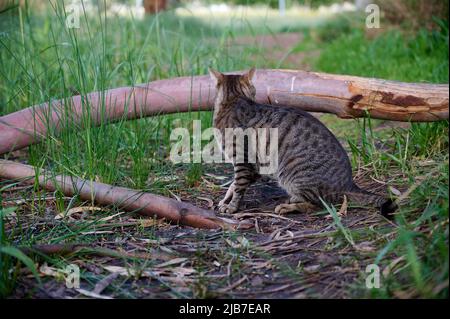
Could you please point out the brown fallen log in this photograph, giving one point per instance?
(345, 96)
(130, 200)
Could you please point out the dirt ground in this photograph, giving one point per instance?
(289, 256)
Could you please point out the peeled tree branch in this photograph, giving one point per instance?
(145, 204)
(345, 96)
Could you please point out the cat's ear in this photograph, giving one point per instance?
(250, 75)
(215, 75)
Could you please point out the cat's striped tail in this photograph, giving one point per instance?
(361, 196)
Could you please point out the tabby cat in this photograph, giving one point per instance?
(312, 164)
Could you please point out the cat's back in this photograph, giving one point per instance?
(301, 138)
(252, 114)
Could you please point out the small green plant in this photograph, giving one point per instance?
(337, 221)
(11, 259)
(194, 174)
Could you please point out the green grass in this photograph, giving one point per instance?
(391, 56)
(43, 60)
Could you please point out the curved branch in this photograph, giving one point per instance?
(130, 200)
(345, 96)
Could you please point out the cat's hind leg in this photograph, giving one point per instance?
(296, 204)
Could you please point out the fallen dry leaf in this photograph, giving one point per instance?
(219, 178)
(312, 268)
(77, 210)
(392, 265)
(365, 246)
(104, 219)
(395, 191)
(343, 210)
(105, 282)
(171, 262)
(125, 271)
(209, 200)
(92, 294)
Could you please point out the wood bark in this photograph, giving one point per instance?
(345, 96)
(154, 6)
(145, 204)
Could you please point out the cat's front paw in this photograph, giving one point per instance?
(227, 209)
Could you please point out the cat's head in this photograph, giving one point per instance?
(230, 86)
